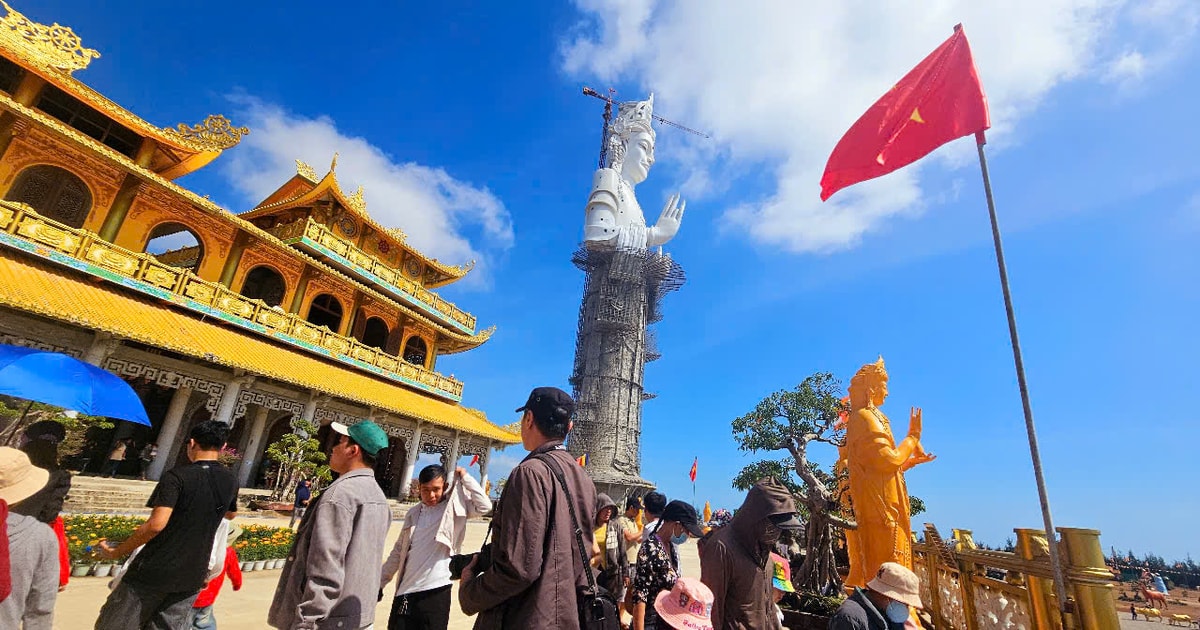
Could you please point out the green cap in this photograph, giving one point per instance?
(365, 433)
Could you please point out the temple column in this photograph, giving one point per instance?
(484, 460)
(27, 93)
(347, 324)
(412, 450)
(234, 259)
(301, 289)
(229, 397)
(170, 428)
(120, 207)
(450, 458)
(257, 430)
(103, 345)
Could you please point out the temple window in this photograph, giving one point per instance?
(325, 311)
(54, 193)
(79, 115)
(264, 283)
(10, 75)
(415, 351)
(375, 333)
(176, 245)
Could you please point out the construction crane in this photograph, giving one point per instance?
(608, 104)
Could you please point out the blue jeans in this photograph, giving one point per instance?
(203, 618)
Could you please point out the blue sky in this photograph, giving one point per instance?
(466, 126)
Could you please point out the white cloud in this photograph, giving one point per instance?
(436, 210)
(778, 82)
(1128, 67)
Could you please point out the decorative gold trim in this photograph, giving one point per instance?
(216, 133)
(306, 171)
(56, 47)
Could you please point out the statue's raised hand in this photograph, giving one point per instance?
(668, 222)
(914, 423)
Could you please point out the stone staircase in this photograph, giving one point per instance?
(98, 495)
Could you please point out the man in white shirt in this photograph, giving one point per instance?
(432, 531)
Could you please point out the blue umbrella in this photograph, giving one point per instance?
(63, 381)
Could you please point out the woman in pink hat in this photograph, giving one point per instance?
(687, 606)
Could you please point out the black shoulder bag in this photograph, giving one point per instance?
(597, 606)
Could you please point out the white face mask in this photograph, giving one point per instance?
(896, 612)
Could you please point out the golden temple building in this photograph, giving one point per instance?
(301, 307)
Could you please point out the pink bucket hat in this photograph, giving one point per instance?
(687, 606)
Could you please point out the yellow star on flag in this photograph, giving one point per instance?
(916, 116)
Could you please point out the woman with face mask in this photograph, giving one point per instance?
(657, 570)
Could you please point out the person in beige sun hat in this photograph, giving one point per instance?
(32, 547)
(884, 605)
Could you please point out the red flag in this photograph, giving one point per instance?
(938, 101)
(474, 460)
(692, 474)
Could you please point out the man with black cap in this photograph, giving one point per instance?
(735, 562)
(331, 577)
(535, 561)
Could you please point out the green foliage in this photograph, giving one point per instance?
(79, 427)
(790, 416)
(298, 457)
(916, 505)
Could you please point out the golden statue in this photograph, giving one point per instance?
(876, 466)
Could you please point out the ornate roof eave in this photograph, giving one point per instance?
(54, 52)
(205, 204)
(453, 343)
(357, 205)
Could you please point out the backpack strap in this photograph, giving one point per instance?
(562, 482)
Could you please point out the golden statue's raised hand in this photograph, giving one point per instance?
(914, 423)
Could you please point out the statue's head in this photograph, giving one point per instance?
(869, 385)
(631, 140)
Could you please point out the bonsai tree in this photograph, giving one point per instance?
(791, 421)
(299, 456)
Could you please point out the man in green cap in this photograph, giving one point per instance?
(331, 577)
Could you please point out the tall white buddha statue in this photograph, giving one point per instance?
(613, 218)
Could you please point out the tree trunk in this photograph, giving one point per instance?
(819, 573)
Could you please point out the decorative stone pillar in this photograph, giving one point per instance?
(484, 460)
(412, 450)
(169, 430)
(229, 397)
(257, 431)
(120, 206)
(1088, 579)
(103, 345)
(450, 457)
(1032, 545)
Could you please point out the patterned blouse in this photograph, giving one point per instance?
(656, 571)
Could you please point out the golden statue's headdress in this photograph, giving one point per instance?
(632, 117)
(867, 375)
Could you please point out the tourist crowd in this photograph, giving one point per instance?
(560, 556)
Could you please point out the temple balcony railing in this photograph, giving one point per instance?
(22, 228)
(319, 240)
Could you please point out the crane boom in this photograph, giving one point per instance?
(608, 103)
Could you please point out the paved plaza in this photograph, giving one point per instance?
(246, 609)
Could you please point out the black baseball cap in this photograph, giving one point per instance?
(684, 514)
(543, 401)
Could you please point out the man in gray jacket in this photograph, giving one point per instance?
(331, 577)
(32, 547)
(535, 566)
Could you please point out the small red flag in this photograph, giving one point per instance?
(692, 474)
(938, 101)
(474, 460)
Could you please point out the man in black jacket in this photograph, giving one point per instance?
(884, 605)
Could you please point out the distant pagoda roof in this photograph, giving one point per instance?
(54, 52)
(305, 189)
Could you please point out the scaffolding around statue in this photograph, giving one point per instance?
(622, 296)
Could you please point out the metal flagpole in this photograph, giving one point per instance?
(1060, 588)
